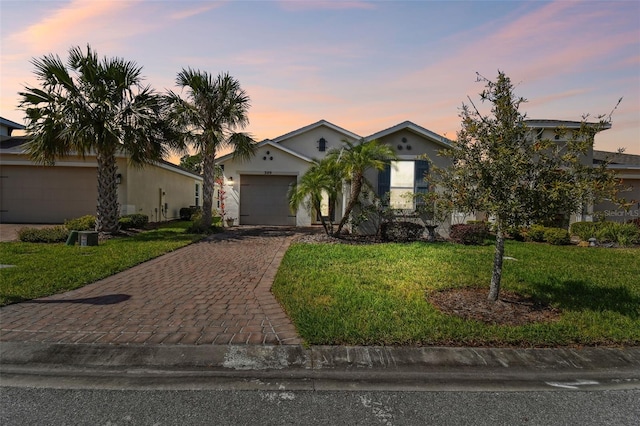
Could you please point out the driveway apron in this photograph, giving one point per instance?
(217, 291)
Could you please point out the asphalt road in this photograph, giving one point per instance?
(40, 406)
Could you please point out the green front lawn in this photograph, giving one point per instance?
(375, 294)
(45, 269)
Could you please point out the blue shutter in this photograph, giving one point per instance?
(384, 180)
(421, 171)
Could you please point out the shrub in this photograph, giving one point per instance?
(556, 236)
(56, 234)
(83, 223)
(401, 231)
(517, 233)
(470, 234)
(136, 220)
(584, 230)
(187, 212)
(197, 227)
(628, 234)
(624, 234)
(536, 233)
(635, 222)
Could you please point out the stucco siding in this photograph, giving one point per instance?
(612, 212)
(307, 142)
(152, 188)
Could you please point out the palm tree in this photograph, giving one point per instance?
(94, 106)
(213, 110)
(322, 177)
(354, 160)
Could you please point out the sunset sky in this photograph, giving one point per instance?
(362, 65)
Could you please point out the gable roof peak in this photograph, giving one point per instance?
(410, 125)
(315, 125)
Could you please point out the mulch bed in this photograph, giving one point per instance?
(510, 309)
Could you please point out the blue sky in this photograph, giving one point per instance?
(362, 65)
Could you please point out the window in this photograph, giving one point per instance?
(197, 194)
(401, 179)
(322, 145)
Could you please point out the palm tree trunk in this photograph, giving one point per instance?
(107, 208)
(318, 208)
(356, 187)
(208, 185)
(332, 213)
(496, 277)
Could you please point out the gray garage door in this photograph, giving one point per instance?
(263, 200)
(39, 194)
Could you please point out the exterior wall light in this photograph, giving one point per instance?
(119, 178)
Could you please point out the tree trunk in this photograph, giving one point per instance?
(332, 213)
(356, 187)
(107, 209)
(318, 208)
(494, 290)
(208, 186)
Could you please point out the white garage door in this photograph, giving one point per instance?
(263, 200)
(32, 194)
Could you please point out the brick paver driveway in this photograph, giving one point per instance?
(212, 292)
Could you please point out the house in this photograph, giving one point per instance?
(256, 190)
(32, 193)
(627, 168)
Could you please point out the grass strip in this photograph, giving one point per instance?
(44, 269)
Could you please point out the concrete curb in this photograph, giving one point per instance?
(380, 358)
(317, 368)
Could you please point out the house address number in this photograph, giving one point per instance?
(267, 173)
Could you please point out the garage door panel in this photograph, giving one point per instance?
(263, 200)
(46, 194)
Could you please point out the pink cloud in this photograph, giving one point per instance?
(77, 18)
(194, 11)
(542, 100)
(325, 5)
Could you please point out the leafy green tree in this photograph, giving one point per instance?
(100, 106)
(354, 159)
(213, 109)
(323, 177)
(193, 163)
(501, 167)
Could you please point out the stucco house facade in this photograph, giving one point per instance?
(627, 168)
(32, 193)
(256, 190)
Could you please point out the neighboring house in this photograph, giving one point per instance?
(627, 167)
(256, 190)
(31, 193)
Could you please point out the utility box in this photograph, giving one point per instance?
(72, 238)
(88, 238)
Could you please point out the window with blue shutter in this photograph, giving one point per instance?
(384, 181)
(421, 171)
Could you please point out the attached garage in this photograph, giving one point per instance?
(40, 194)
(263, 200)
